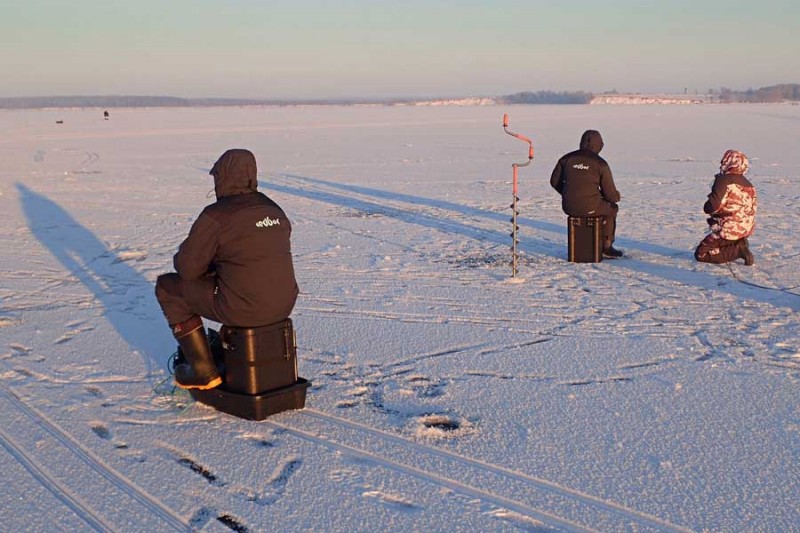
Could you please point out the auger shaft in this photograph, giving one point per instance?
(514, 210)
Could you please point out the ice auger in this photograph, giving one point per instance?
(514, 211)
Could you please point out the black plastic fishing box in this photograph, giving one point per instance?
(585, 239)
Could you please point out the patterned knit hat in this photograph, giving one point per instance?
(734, 162)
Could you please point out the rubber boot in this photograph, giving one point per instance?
(199, 370)
(610, 251)
(745, 253)
(215, 342)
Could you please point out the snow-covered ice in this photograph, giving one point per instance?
(650, 393)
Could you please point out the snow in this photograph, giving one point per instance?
(650, 393)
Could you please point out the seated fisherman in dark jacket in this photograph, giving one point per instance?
(584, 181)
(235, 267)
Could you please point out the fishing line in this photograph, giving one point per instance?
(787, 290)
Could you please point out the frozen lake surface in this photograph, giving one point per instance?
(650, 393)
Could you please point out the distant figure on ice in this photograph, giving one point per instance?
(105, 115)
(235, 267)
(732, 205)
(584, 181)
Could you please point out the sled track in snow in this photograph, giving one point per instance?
(527, 495)
(54, 471)
(53, 486)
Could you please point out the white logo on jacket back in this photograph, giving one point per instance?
(267, 222)
(581, 167)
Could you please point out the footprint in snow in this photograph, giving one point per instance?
(349, 479)
(391, 500)
(521, 522)
(7, 322)
(354, 396)
(276, 486)
(259, 441)
(203, 471)
(130, 255)
(66, 337)
(281, 478)
(94, 391)
(19, 349)
(204, 515)
(232, 523)
(99, 429)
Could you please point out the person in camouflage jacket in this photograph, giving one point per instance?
(732, 206)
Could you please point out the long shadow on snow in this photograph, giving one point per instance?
(724, 282)
(113, 282)
(422, 219)
(502, 218)
(683, 276)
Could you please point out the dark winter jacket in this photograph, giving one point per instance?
(732, 205)
(583, 178)
(243, 240)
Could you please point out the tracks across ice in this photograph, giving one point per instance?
(69, 471)
(554, 505)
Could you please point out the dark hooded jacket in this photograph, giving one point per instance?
(243, 241)
(583, 178)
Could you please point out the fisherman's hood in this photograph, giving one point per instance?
(592, 141)
(235, 173)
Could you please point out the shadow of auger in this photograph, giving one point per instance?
(500, 237)
(477, 212)
(105, 274)
(497, 237)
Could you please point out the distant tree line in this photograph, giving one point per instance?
(547, 97)
(773, 93)
(39, 102)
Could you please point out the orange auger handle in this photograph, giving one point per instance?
(530, 150)
(520, 137)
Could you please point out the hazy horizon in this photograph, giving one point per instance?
(353, 49)
(378, 98)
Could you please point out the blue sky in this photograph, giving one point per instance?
(360, 48)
